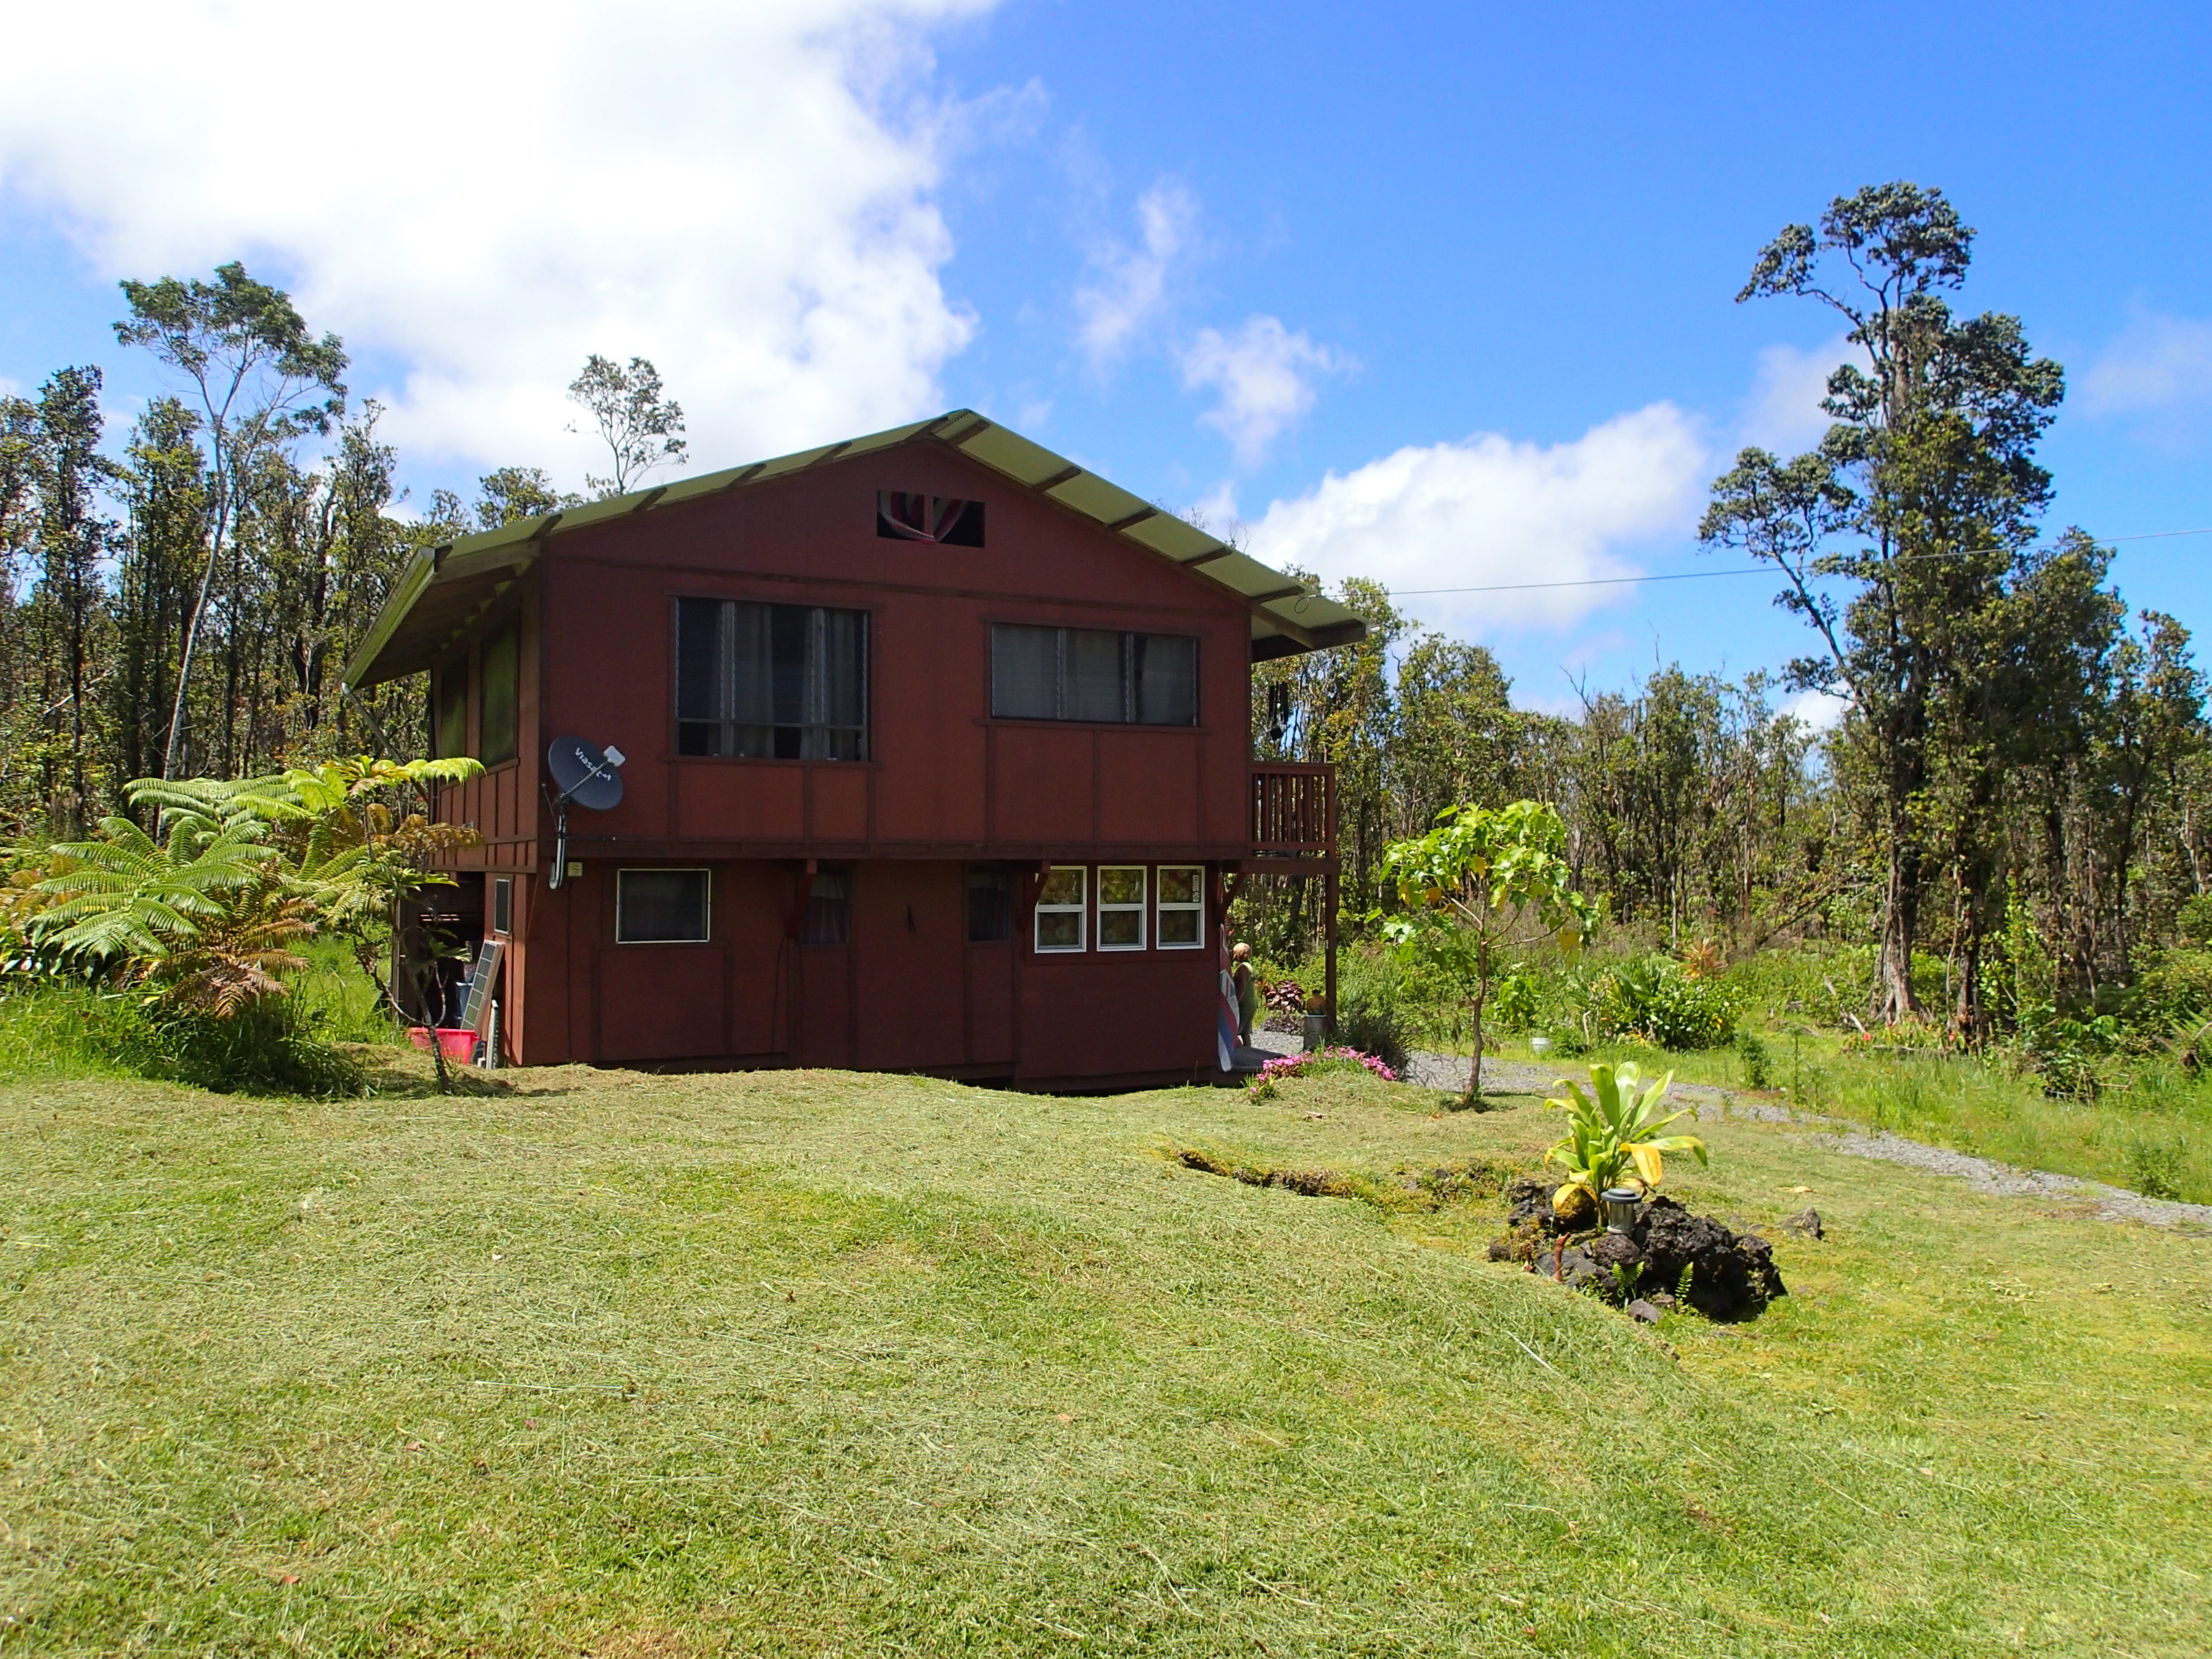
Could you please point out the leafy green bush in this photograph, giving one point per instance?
(2154, 1168)
(2176, 988)
(2066, 1054)
(1371, 1012)
(1757, 1065)
(1652, 998)
(1518, 1000)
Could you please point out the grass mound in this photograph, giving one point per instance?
(810, 1362)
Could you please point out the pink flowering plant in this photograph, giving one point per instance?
(1285, 1066)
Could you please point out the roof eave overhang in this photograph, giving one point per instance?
(463, 579)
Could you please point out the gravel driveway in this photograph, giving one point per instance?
(2098, 1200)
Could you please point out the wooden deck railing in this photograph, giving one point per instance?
(1293, 811)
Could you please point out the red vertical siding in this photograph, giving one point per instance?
(945, 784)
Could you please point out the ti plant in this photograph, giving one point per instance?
(1615, 1136)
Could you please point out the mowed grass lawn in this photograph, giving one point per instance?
(812, 1362)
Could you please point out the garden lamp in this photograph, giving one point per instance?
(1621, 1204)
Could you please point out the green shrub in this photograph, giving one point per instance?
(1519, 1000)
(2154, 1168)
(1652, 998)
(1758, 1066)
(2176, 988)
(1371, 1012)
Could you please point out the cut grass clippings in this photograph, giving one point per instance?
(822, 1363)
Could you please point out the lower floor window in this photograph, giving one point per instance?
(1059, 909)
(990, 905)
(828, 918)
(663, 907)
(1121, 908)
(1181, 907)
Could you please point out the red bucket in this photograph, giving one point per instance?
(460, 1045)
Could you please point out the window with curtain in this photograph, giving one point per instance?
(829, 917)
(453, 708)
(502, 685)
(990, 904)
(1090, 674)
(771, 682)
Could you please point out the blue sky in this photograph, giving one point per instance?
(1438, 294)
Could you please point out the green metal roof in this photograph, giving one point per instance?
(445, 589)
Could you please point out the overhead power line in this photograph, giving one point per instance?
(1760, 570)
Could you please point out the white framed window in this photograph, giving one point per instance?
(663, 907)
(1182, 925)
(1121, 907)
(1059, 909)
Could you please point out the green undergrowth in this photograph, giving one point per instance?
(300, 1043)
(2151, 1132)
(812, 1362)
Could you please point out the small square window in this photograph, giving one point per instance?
(990, 905)
(1121, 908)
(1181, 907)
(828, 918)
(662, 907)
(1059, 909)
(502, 904)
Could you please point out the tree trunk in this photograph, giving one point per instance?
(1900, 926)
(1481, 992)
(1475, 1066)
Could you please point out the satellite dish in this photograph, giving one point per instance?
(585, 775)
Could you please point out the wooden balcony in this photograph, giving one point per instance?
(1293, 817)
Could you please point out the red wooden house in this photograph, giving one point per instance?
(937, 759)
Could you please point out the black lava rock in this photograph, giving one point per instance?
(1731, 1275)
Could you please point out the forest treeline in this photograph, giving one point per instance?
(2018, 782)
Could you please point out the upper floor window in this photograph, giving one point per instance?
(453, 714)
(1089, 674)
(781, 682)
(947, 519)
(503, 681)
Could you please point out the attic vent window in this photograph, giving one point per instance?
(946, 520)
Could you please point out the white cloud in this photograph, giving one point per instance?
(1821, 710)
(2156, 363)
(1264, 374)
(1215, 511)
(1490, 512)
(1784, 411)
(1129, 292)
(486, 193)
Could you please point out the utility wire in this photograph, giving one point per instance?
(1759, 569)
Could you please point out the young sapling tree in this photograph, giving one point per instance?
(1482, 886)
